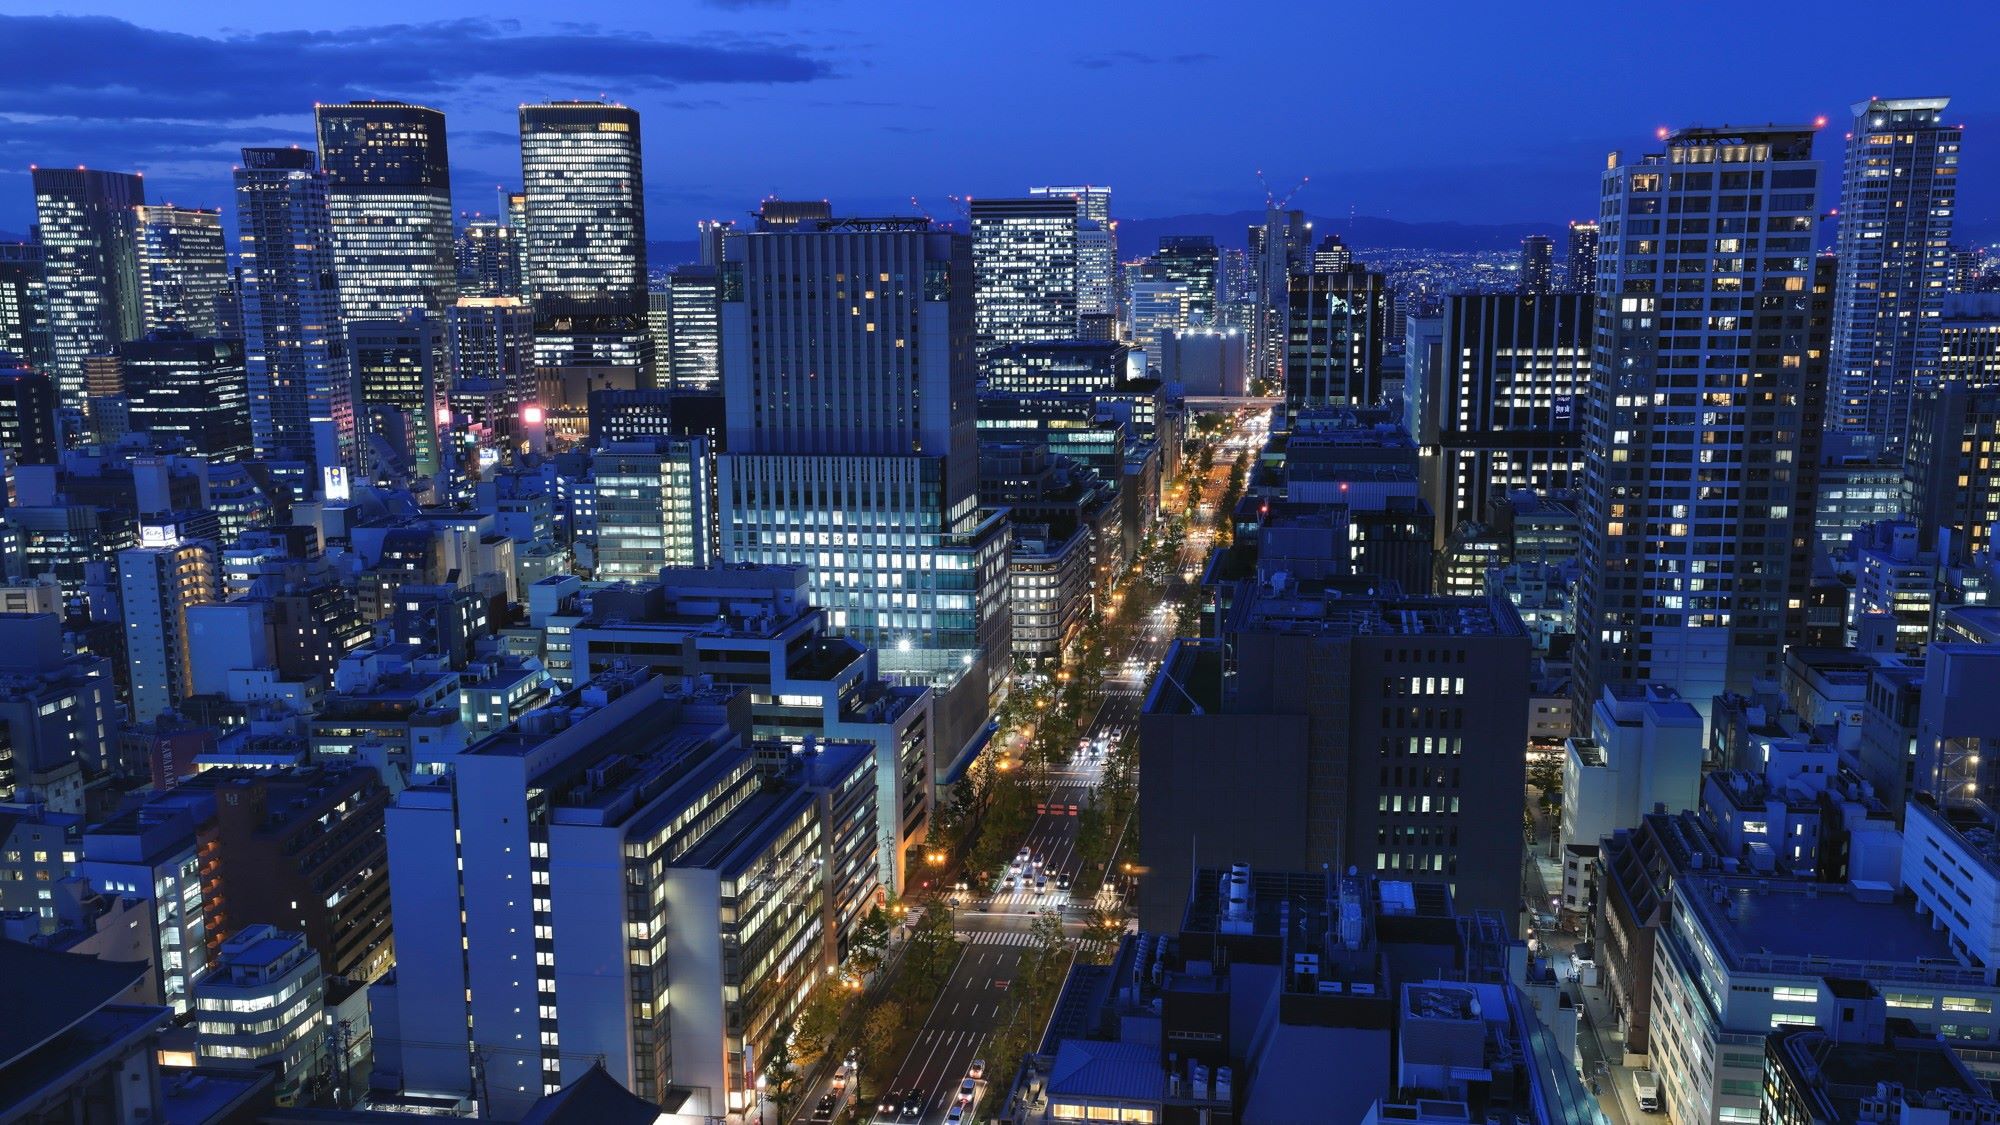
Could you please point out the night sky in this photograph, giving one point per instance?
(1473, 112)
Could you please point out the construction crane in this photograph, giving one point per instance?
(1274, 202)
(961, 207)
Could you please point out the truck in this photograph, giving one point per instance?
(1646, 1085)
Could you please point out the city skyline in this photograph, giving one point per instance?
(842, 109)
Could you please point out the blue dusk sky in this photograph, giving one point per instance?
(1470, 112)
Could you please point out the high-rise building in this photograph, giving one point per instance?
(301, 389)
(158, 582)
(710, 233)
(587, 826)
(489, 259)
(1096, 247)
(28, 433)
(1024, 252)
(1336, 326)
(1538, 265)
(183, 267)
(90, 265)
(388, 196)
(652, 507)
(494, 338)
(24, 324)
(1582, 260)
(1968, 339)
(1368, 732)
(586, 243)
(1896, 207)
(1692, 425)
(190, 395)
(400, 381)
(1156, 306)
(1953, 468)
(1278, 247)
(1496, 405)
(694, 329)
(854, 410)
(1193, 261)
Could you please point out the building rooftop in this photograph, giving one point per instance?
(1104, 1069)
(1779, 926)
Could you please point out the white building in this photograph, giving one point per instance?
(1097, 247)
(157, 584)
(263, 1000)
(1024, 252)
(629, 830)
(1644, 749)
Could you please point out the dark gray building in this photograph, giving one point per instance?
(190, 395)
(1328, 727)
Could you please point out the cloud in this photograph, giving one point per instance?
(54, 65)
(1110, 59)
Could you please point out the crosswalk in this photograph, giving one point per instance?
(1024, 938)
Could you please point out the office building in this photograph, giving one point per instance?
(28, 427)
(1686, 579)
(1278, 247)
(1897, 204)
(694, 329)
(488, 255)
(1642, 750)
(60, 710)
(399, 386)
(388, 196)
(1952, 468)
(1582, 261)
(1968, 339)
(261, 1003)
(1061, 367)
(189, 396)
(183, 267)
(90, 267)
(1956, 716)
(157, 584)
(1154, 307)
(528, 846)
(493, 338)
(301, 388)
(869, 475)
(24, 312)
(81, 1049)
(586, 234)
(755, 628)
(1024, 256)
(1538, 265)
(1097, 247)
(1857, 1064)
(1205, 362)
(1497, 405)
(1365, 731)
(1194, 262)
(1336, 326)
(652, 506)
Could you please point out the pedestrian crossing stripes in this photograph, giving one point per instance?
(1000, 937)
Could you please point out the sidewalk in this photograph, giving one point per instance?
(1604, 1053)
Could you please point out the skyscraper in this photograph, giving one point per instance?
(1582, 261)
(586, 245)
(399, 383)
(489, 260)
(388, 191)
(1097, 247)
(1538, 265)
(90, 263)
(1496, 402)
(1896, 207)
(1692, 426)
(494, 338)
(183, 267)
(301, 390)
(189, 395)
(27, 413)
(158, 582)
(1024, 253)
(1193, 261)
(1336, 324)
(1278, 247)
(24, 324)
(694, 328)
(848, 378)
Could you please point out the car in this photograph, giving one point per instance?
(824, 1110)
(1007, 884)
(913, 1105)
(1062, 882)
(889, 1106)
(966, 1089)
(955, 1115)
(1041, 883)
(977, 1070)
